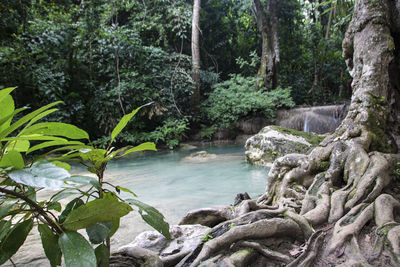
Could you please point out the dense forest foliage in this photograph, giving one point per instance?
(104, 58)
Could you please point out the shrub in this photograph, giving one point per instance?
(238, 97)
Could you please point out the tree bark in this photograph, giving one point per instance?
(195, 100)
(270, 50)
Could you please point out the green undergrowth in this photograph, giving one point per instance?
(312, 138)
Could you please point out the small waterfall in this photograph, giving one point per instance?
(320, 119)
(306, 127)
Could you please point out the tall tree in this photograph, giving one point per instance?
(270, 52)
(342, 199)
(196, 55)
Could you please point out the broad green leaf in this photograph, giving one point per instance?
(123, 151)
(25, 119)
(41, 174)
(76, 250)
(99, 232)
(5, 120)
(102, 255)
(116, 222)
(72, 205)
(62, 164)
(6, 111)
(4, 209)
(5, 92)
(37, 137)
(53, 143)
(57, 129)
(40, 116)
(125, 190)
(114, 226)
(123, 122)
(99, 210)
(20, 145)
(4, 229)
(62, 195)
(152, 216)
(14, 240)
(73, 147)
(50, 245)
(93, 155)
(12, 159)
(83, 180)
(54, 205)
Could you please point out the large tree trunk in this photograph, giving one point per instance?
(270, 51)
(195, 100)
(338, 205)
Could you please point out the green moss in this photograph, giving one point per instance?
(376, 124)
(313, 139)
(257, 146)
(321, 166)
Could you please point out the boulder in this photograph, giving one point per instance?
(273, 142)
(149, 244)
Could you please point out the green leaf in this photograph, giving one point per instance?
(102, 256)
(62, 164)
(152, 216)
(73, 204)
(20, 145)
(37, 137)
(54, 205)
(76, 250)
(53, 143)
(142, 147)
(4, 209)
(40, 116)
(125, 190)
(99, 232)
(84, 180)
(5, 92)
(62, 195)
(25, 119)
(114, 226)
(4, 229)
(41, 174)
(57, 129)
(50, 245)
(99, 210)
(12, 159)
(5, 120)
(123, 122)
(6, 112)
(14, 240)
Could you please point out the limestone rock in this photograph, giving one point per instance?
(184, 239)
(273, 142)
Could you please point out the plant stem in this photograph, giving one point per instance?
(37, 208)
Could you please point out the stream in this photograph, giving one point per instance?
(173, 185)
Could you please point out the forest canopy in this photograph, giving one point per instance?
(104, 58)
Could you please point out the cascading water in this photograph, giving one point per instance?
(306, 127)
(320, 119)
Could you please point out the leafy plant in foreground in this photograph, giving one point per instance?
(95, 208)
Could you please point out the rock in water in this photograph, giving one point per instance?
(273, 142)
